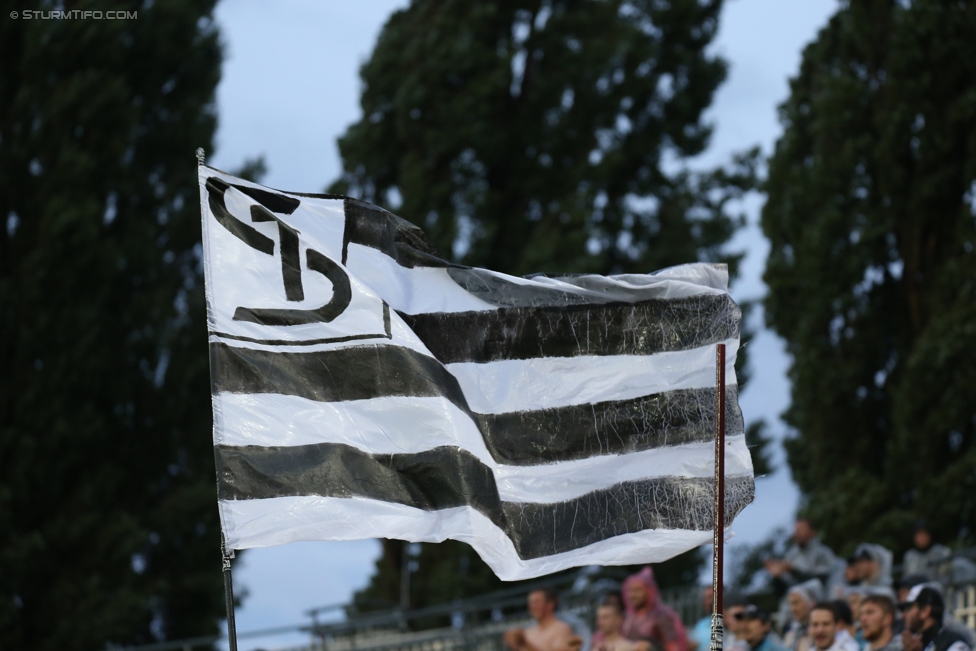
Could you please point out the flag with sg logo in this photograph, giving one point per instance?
(364, 386)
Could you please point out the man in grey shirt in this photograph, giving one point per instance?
(877, 619)
(927, 557)
(873, 564)
(807, 558)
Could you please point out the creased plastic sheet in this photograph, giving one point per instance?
(365, 387)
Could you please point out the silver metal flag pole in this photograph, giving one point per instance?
(718, 541)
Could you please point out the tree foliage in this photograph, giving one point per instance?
(537, 135)
(872, 272)
(534, 135)
(451, 570)
(108, 522)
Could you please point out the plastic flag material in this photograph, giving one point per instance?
(365, 387)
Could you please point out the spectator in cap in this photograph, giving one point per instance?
(877, 622)
(926, 557)
(824, 626)
(756, 628)
(732, 638)
(905, 587)
(924, 611)
(801, 599)
(873, 563)
(846, 580)
(908, 581)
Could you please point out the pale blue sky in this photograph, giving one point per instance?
(290, 87)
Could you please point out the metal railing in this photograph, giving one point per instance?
(478, 623)
(961, 600)
(473, 624)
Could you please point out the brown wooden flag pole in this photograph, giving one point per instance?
(718, 541)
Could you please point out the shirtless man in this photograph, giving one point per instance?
(609, 620)
(549, 632)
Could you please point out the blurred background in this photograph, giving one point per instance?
(825, 150)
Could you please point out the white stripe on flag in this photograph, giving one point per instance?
(411, 425)
(387, 425)
(280, 520)
(566, 480)
(414, 291)
(431, 289)
(531, 384)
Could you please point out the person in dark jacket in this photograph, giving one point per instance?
(924, 609)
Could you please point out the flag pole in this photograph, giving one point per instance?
(718, 541)
(225, 554)
(228, 593)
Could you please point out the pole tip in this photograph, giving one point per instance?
(201, 156)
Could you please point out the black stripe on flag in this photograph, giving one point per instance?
(526, 438)
(435, 479)
(516, 438)
(216, 188)
(643, 328)
(378, 229)
(629, 507)
(449, 477)
(356, 373)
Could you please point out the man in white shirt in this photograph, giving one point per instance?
(824, 626)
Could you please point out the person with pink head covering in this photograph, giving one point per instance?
(647, 618)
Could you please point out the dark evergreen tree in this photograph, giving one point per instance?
(108, 522)
(533, 135)
(542, 135)
(872, 271)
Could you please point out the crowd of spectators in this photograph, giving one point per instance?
(827, 604)
(824, 605)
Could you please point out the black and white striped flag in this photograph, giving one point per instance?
(364, 387)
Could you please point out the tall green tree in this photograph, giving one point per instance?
(539, 134)
(542, 135)
(872, 271)
(108, 523)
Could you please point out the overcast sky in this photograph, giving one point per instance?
(290, 87)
